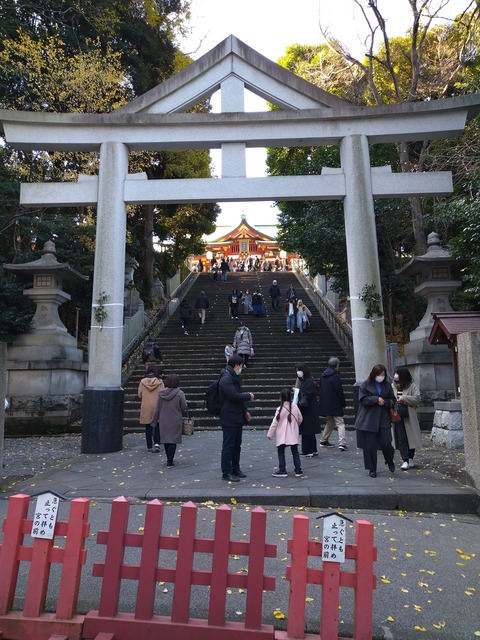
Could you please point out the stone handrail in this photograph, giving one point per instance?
(341, 330)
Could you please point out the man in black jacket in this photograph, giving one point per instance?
(233, 416)
(332, 403)
(274, 292)
(202, 305)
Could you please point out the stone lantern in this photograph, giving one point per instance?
(431, 366)
(46, 374)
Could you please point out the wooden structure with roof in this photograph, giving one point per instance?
(446, 328)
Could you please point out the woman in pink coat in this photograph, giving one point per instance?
(286, 427)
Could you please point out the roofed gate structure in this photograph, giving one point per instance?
(306, 116)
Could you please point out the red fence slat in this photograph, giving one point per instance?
(184, 565)
(221, 550)
(363, 603)
(256, 567)
(114, 557)
(12, 541)
(298, 548)
(148, 562)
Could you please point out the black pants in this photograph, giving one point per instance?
(282, 466)
(234, 309)
(170, 450)
(371, 440)
(309, 443)
(152, 435)
(275, 303)
(231, 448)
(402, 441)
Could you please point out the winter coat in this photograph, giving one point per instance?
(371, 416)
(169, 411)
(247, 303)
(185, 310)
(287, 307)
(202, 302)
(311, 418)
(148, 390)
(332, 399)
(257, 303)
(274, 291)
(243, 341)
(224, 266)
(412, 398)
(233, 411)
(286, 432)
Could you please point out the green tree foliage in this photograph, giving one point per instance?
(429, 62)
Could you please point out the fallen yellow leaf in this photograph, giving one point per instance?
(278, 614)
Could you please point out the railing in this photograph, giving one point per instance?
(133, 351)
(341, 330)
(178, 560)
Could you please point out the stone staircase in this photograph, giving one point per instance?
(198, 357)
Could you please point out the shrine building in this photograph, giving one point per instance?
(244, 242)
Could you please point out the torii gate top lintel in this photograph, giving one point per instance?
(307, 115)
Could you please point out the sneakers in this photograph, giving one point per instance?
(150, 450)
(411, 463)
(342, 447)
(228, 477)
(280, 474)
(298, 473)
(170, 465)
(157, 448)
(239, 473)
(325, 443)
(404, 466)
(310, 455)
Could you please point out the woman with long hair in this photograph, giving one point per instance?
(407, 432)
(308, 404)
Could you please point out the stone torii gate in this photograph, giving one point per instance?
(157, 120)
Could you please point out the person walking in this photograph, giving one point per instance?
(332, 403)
(243, 343)
(290, 314)
(407, 432)
(224, 268)
(151, 354)
(169, 412)
(148, 390)
(285, 427)
(247, 302)
(291, 294)
(374, 430)
(303, 313)
(202, 305)
(257, 303)
(185, 315)
(233, 415)
(233, 300)
(308, 405)
(274, 293)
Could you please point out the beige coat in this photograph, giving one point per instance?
(412, 398)
(148, 391)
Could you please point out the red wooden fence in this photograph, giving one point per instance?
(33, 622)
(143, 623)
(108, 623)
(331, 577)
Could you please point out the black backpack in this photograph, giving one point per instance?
(212, 398)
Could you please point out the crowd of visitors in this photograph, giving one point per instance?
(386, 415)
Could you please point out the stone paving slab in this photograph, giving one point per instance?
(334, 479)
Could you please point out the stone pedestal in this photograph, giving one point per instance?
(469, 375)
(447, 424)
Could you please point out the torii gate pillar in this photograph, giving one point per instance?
(369, 345)
(102, 426)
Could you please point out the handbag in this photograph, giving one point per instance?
(188, 425)
(252, 352)
(303, 400)
(395, 416)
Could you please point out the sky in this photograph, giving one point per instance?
(269, 27)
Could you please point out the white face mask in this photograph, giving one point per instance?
(300, 374)
(379, 378)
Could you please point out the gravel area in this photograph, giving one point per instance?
(25, 457)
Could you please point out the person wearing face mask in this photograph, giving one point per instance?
(407, 432)
(233, 415)
(306, 399)
(375, 401)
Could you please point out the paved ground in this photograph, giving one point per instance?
(426, 532)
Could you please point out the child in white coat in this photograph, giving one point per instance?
(286, 425)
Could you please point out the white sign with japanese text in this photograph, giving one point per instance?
(46, 512)
(334, 535)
